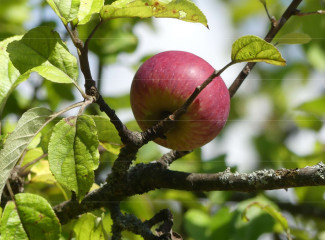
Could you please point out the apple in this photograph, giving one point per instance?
(163, 83)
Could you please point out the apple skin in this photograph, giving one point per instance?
(163, 83)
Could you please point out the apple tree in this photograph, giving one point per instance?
(71, 168)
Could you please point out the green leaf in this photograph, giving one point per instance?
(28, 126)
(41, 50)
(315, 107)
(254, 49)
(294, 38)
(11, 227)
(274, 213)
(118, 102)
(107, 134)
(196, 224)
(67, 10)
(70, 10)
(221, 224)
(308, 121)
(9, 75)
(89, 226)
(73, 153)
(37, 217)
(88, 8)
(180, 9)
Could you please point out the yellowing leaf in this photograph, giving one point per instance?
(254, 49)
(180, 9)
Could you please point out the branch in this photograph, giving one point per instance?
(147, 177)
(171, 156)
(228, 181)
(90, 84)
(125, 134)
(92, 33)
(301, 14)
(275, 28)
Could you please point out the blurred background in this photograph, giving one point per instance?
(276, 118)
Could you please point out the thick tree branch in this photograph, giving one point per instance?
(228, 181)
(147, 177)
(275, 28)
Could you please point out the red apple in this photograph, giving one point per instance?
(163, 83)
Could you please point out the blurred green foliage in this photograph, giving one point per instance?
(199, 215)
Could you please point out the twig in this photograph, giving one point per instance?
(92, 33)
(171, 156)
(90, 84)
(271, 18)
(275, 28)
(11, 193)
(23, 168)
(301, 14)
(124, 133)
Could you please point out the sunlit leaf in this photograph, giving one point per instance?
(31, 155)
(28, 126)
(67, 10)
(41, 50)
(87, 8)
(107, 134)
(73, 153)
(11, 227)
(89, 226)
(254, 49)
(9, 75)
(294, 38)
(37, 217)
(71, 10)
(180, 9)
